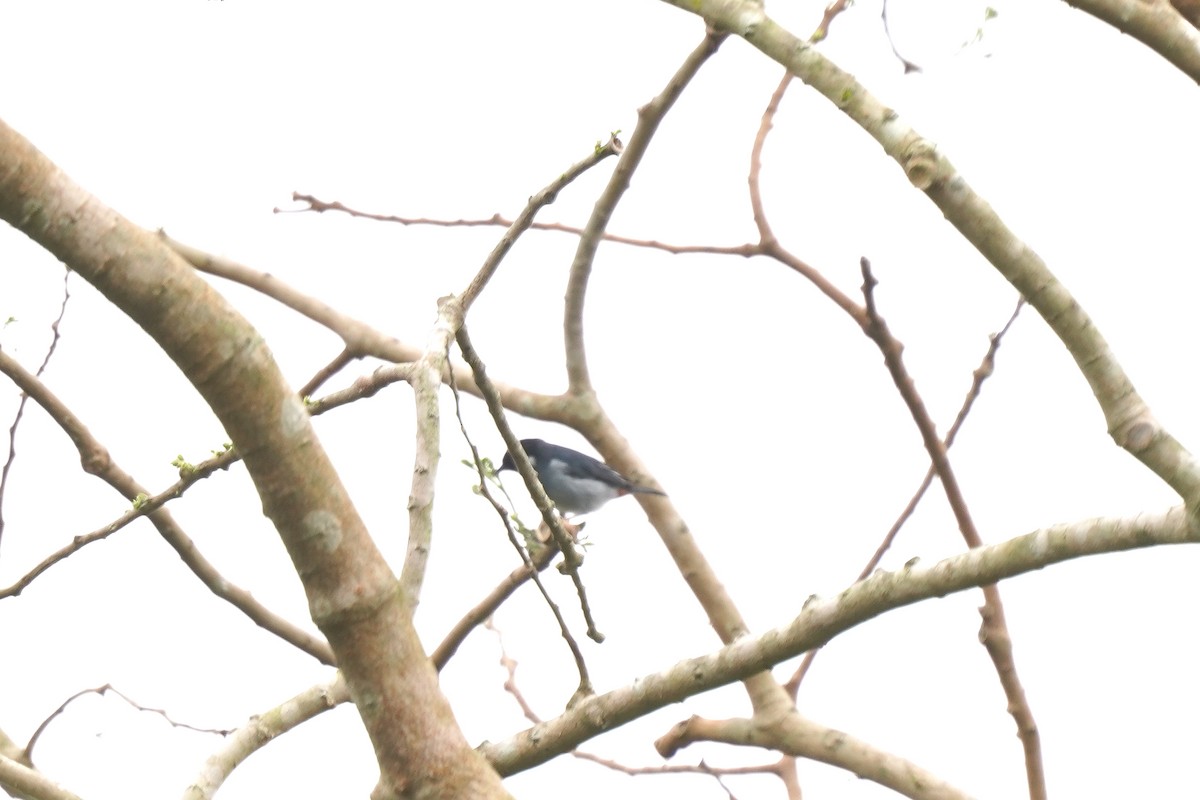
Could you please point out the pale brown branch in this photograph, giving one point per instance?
(263, 728)
(824, 618)
(510, 683)
(25, 781)
(649, 117)
(352, 594)
(538, 201)
(994, 634)
(768, 243)
(832, 12)
(676, 769)
(513, 688)
(797, 736)
(360, 339)
(500, 221)
(339, 362)
(434, 364)
(539, 561)
(981, 374)
(427, 417)
(1154, 23)
(97, 461)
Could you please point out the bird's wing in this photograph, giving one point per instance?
(584, 466)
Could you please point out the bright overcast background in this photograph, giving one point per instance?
(761, 408)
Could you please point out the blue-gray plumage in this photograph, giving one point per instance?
(577, 483)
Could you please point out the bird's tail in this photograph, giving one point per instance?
(646, 490)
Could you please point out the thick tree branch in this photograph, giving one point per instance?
(262, 729)
(353, 595)
(823, 619)
(819, 621)
(29, 783)
(1154, 23)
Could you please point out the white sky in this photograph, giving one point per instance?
(767, 417)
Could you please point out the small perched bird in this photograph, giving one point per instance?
(577, 483)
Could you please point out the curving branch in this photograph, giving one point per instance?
(799, 737)
(360, 339)
(588, 417)
(649, 117)
(1154, 23)
(818, 622)
(822, 619)
(262, 729)
(1130, 422)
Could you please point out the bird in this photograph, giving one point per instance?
(576, 482)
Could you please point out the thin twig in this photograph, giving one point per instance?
(102, 691)
(768, 244)
(562, 539)
(339, 362)
(832, 11)
(434, 365)
(500, 221)
(887, 30)
(613, 147)
(533, 564)
(12, 431)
